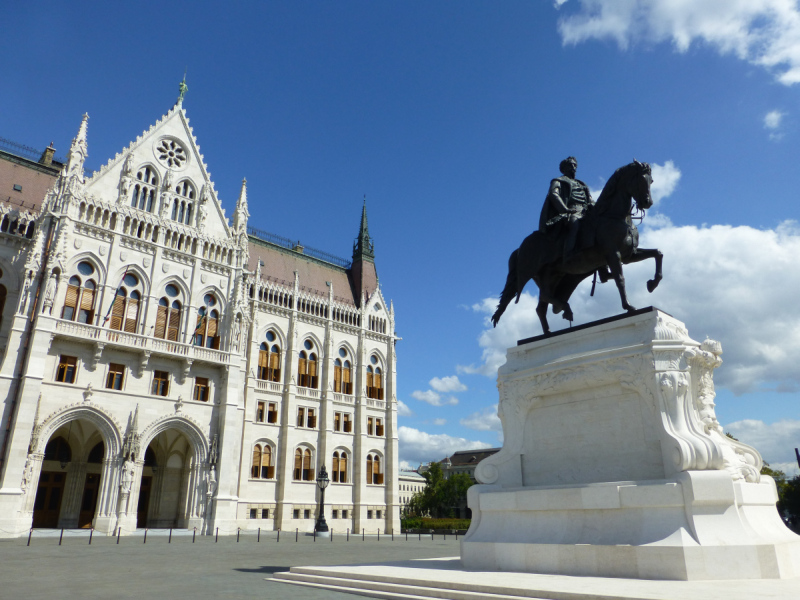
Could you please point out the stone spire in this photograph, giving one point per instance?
(242, 213)
(78, 151)
(363, 248)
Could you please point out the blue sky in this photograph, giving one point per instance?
(452, 118)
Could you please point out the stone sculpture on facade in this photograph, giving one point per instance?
(598, 238)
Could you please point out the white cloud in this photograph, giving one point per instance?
(420, 447)
(449, 384)
(484, 420)
(772, 123)
(433, 398)
(403, 410)
(404, 465)
(738, 285)
(665, 180)
(440, 422)
(765, 33)
(775, 441)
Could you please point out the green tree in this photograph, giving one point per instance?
(440, 497)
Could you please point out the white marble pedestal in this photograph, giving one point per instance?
(614, 465)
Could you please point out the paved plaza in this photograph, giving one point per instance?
(183, 569)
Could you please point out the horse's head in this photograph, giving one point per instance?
(639, 184)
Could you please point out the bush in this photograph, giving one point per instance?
(425, 523)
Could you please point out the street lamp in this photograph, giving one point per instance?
(322, 483)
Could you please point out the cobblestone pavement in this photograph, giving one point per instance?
(186, 570)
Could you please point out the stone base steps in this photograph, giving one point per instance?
(382, 586)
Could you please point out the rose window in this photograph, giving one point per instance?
(171, 153)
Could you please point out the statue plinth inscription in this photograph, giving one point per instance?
(614, 464)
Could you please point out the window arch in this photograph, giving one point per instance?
(269, 359)
(374, 381)
(303, 471)
(168, 319)
(342, 373)
(339, 469)
(374, 471)
(126, 309)
(262, 467)
(144, 192)
(307, 367)
(80, 299)
(183, 206)
(206, 333)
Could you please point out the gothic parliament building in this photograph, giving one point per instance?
(164, 366)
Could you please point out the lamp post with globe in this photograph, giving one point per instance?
(321, 526)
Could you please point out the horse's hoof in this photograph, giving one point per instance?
(651, 285)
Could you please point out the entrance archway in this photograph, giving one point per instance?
(70, 482)
(164, 489)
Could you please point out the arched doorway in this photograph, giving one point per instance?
(169, 475)
(71, 488)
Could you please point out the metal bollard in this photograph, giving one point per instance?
(348, 534)
(379, 533)
(61, 537)
(315, 533)
(392, 533)
(169, 541)
(444, 536)
(91, 533)
(194, 534)
(119, 530)
(331, 533)
(279, 535)
(258, 538)
(362, 534)
(29, 536)
(296, 534)
(406, 534)
(145, 535)
(216, 537)
(238, 529)
(420, 535)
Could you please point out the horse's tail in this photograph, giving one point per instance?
(509, 291)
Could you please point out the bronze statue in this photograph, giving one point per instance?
(567, 201)
(603, 238)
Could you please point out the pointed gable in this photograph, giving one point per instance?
(176, 168)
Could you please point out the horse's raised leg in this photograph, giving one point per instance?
(541, 311)
(643, 254)
(615, 264)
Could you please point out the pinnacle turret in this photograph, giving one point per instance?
(363, 248)
(242, 213)
(78, 151)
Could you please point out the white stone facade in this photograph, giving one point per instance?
(133, 329)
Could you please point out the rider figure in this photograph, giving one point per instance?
(566, 202)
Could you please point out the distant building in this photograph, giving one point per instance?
(465, 461)
(410, 483)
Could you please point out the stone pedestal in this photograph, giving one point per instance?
(614, 464)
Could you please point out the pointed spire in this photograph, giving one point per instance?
(135, 422)
(363, 248)
(78, 151)
(242, 213)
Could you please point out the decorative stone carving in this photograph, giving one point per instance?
(103, 250)
(147, 262)
(144, 359)
(88, 393)
(78, 243)
(179, 404)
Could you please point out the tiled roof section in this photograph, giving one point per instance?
(369, 276)
(34, 179)
(279, 264)
(471, 457)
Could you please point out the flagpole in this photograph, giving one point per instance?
(116, 293)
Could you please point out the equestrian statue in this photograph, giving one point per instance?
(578, 237)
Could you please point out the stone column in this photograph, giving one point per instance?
(105, 518)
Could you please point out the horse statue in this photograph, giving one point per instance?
(607, 239)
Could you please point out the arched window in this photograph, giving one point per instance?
(168, 319)
(127, 305)
(342, 374)
(262, 467)
(269, 360)
(339, 470)
(302, 465)
(79, 302)
(206, 333)
(144, 192)
(307, 367)
(374, 380)
(374, 473)
(97, 453)
(183, 207)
